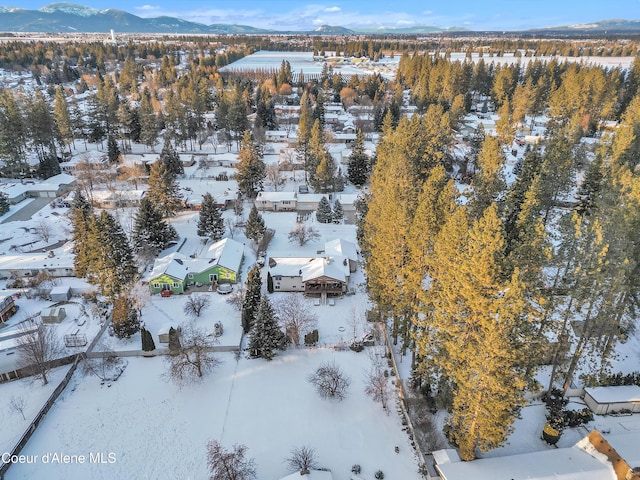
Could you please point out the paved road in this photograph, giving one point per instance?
(26, 212)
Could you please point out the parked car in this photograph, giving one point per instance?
(224, 288)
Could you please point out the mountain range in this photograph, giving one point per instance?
(70, 17)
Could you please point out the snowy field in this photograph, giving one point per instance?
(157, 430)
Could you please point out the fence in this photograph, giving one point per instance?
(41, 414)
(401, 397)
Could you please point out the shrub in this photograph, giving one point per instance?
(356, 469)
(379, 475)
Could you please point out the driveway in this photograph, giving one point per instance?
(26, 212)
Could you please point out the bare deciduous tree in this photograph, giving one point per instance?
(302, 459)
(43, 230)
(377, 386)
(236, 298)
(38, 346)
(196, 303)
(194, 358)
(17, 405)
(303, 234)
(232, 226)
(330, 381)
(295, 317)
(229, 465)
(274, 176)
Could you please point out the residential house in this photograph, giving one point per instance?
(176, 272)
(116, 198)
(55, 263)
(277, 201)
(312, 275)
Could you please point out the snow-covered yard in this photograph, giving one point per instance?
(157, 430)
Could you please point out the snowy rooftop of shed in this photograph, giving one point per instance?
(618, 394)
(341, 247)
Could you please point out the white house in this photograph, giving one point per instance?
(277, 201)
(311, 275)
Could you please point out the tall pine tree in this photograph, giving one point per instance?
(210, 221)
(163, 190)
(266, 336)
(151, 233)
(251, 298)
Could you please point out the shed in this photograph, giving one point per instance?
(60, 293)
(603, 400)
(163, 334)
(53, 315)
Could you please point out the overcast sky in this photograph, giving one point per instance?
(298, 15)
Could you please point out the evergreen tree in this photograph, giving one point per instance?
(151, 234)
(113, 267)
(210, 221)
(148, 120)
(266, 336)
(477, 330)
(338, 213)
(255, 227)
(49, 166)
(324, 213)
(488, 183)
(171, 159)
(148, 344)
(113, 151)
(163, 190)
(251, 298)
(324, 179)
(358, 169)
(251, 169)
(174, 339)
(63, 119)
(303, 136)
(4, 203)
(125, 317)
(81, 217)
(12, 136)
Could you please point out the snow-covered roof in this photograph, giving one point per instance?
(61, 179)
(348, 198)
(325, 267)
(619, 394)
(172, 265)
(311, 197)
(275, 196)
(36, 261)
(626, 444)
(14, 190)
(310, 268)
(227, 253)
(341, 247)
(560, 464)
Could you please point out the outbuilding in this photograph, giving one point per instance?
(61, 293)
(604, 400)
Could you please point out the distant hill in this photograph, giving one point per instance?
(70, 17)
(609, 26)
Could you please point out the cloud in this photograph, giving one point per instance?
(332, 9)
(147, 8)
(319, 21)
(427, 12)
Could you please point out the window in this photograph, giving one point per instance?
(175, 285)
(156, 285)
(277, 287)
(190, 275)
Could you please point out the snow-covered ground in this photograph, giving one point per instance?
(31, 395)
(157, 430)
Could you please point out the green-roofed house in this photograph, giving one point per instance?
(175, 272)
